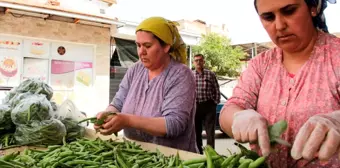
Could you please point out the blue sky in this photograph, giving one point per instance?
(239, 15)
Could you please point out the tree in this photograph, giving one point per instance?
(219, 55)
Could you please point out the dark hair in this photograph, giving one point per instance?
(159, 40)
(255, 6)
(199, 55)
(163, 44)
(310, 4)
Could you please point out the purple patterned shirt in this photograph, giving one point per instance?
(170, 95)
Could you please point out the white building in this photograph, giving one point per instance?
(72, 37)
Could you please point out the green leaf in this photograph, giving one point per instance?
(275, 132)
(277, 129)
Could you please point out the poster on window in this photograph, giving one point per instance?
(35, 68)
(36, 48)
(9, 70)
(10, 61)
(83, 72)
(62, 75)
(10, 44)
(75, 52)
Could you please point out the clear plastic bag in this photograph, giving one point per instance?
(69, 110)
(33, 108)
(46, 132)
(9, 95)
(6, 124)
(54, 106)
(73, 129)
(15, 100)
(69, 115)
(35, 86)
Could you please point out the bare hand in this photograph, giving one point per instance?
(100, 116)
(114, 124)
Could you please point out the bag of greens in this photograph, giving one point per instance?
(33, 108)
(9, 95)
(69, 115)
(35, 86)
(74, 131)
(18, 97)
(54, 106)
(46, 132)
(6, 124)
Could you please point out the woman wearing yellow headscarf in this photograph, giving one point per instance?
(156, 98)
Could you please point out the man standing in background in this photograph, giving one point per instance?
(207, 97)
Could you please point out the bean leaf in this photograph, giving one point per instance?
(275, 132)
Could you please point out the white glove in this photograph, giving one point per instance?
(250, 126)
(319, 136)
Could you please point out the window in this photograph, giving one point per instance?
(64, 66)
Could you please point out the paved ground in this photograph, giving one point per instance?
(223, 143)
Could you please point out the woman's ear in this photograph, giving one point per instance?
(167, 48)
(313, 11)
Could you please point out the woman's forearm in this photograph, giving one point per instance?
(152, 126)
(226, 118)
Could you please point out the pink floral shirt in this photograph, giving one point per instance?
(267, 87)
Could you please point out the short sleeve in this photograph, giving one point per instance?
(245, 94)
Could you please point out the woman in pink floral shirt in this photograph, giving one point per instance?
(298, 81)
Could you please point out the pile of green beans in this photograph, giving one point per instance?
(85, 153)
(244, 159)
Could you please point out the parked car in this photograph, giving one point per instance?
(219, 107)
(223, 100)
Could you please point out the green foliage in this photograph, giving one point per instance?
(220, 56)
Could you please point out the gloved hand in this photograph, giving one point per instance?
(250, 126)
(319, 136)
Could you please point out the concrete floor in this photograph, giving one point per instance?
(223, 143)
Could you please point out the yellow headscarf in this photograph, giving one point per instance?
(166, 31)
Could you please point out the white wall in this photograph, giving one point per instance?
(91, 7)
